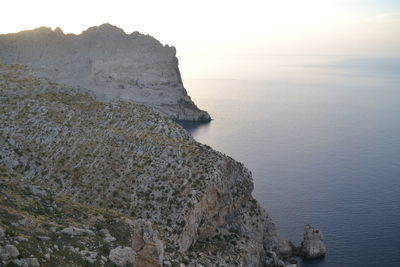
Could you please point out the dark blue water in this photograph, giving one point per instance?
(323, 144)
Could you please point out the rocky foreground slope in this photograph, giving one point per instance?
(86, 183)
(90, 183)
(114, 65)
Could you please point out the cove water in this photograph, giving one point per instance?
(323, 143)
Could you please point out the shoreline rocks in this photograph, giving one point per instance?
(312, 246)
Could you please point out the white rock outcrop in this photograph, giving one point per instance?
(8, 252)
(74, 231)
(123, 256)
(107, 236)
(147, 245)
(29, 262)
(105, 60)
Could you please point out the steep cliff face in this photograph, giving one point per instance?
(114, 65)
(125, 157)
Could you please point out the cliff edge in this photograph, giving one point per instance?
(90, 183)
(109, 62)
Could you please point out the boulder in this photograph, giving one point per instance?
(12, 251)
(8, 252)
(123, 256)
(32, 262)
(149, 249)
(76, 231)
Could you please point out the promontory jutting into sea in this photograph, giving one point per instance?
(95, 172)
(255, 133)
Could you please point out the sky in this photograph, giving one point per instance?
(209, 33)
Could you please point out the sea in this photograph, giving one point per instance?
(321, 136)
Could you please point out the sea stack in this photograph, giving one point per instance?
(312, 246)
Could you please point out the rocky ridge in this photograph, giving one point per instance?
(112, 64)
(123, 165)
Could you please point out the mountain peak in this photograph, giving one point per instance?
(114, 65)
(105, 27)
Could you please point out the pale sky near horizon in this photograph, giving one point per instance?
(203, 30)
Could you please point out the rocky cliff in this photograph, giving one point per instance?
(116, 182)
(114, 65)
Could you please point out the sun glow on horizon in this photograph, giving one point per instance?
(228, 28)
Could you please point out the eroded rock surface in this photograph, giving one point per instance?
(312, 246)
(105, 60)
(133, 172)
(123, 257)
(147, 245)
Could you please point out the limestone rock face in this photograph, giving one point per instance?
(312, 246)
(105, 60)
(188, 203)
(147, 245)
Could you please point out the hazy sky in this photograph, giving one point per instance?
(206, 30)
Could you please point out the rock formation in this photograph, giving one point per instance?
(123, 257)
(312, 246)
(149, 248)
(73, 166)
(105, 60)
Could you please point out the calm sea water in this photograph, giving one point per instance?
(322, 140)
